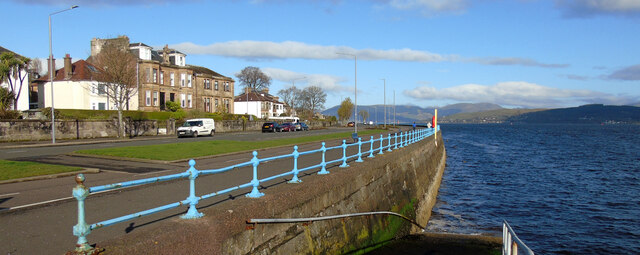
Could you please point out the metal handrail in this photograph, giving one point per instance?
(80, 192)
(511, 242)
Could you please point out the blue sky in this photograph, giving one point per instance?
(518, 53)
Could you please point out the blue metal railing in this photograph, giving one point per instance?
(80, 192)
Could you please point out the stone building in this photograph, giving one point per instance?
(165, 76)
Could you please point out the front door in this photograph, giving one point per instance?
(162, 106)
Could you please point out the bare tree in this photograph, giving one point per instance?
(253, 78)
(13, 70)
(364, 114)
(290, 96)
(345, 110)
(35, 67)
(118, 75)
(313, 99)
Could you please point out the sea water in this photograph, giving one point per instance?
(565, 189)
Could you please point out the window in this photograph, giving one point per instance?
(183, 103)
(162, 78)
(226, 104)
(216, 85)
(172, 79)
(216, 104)
(148, 98)
(189, 81)
(189, 101)
(148, 73)
(155, 98)
(182, 79)
(226, 86)
(102, 89)
(102, 106)
(207, 84)
(155, 75)
(207, 104)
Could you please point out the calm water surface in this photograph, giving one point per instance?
(565, 189)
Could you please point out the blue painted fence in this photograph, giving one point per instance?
(80, 192)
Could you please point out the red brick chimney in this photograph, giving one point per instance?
(67, 67)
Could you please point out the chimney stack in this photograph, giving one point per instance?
(67, 67)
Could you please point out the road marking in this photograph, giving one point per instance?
(233, 160)
(9, 194)
(153, 172)
(15, 151)
(39, 203)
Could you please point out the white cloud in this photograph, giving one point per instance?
(585, 8)
(631, 73)
(290, 49)
(517, 93)
(261, 50)
(330, 83)
(429, 7)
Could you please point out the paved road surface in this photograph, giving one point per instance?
(48, 228)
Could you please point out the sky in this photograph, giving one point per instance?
(514, 53)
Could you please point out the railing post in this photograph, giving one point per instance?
(324, 163)
(296, 154)
(401, 142)
(389, 143)
(406, 138)
(371, 150)
(81, 230)
(396, 142)
(344, 154)
(255, 182)
(192, 213)
(359, 150)
(381, 140)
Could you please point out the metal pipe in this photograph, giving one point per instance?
(299, 220)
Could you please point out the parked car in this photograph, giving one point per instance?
(288, 127)
(196, 127)
(351, 124)
(271, 127)
(302, 126)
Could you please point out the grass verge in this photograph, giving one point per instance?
(18, 169)
(176, 151)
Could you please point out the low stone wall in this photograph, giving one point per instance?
(35, 130)
(405, 181)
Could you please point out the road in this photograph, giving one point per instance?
(47, 227)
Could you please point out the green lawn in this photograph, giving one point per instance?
(18, 169)
(178, 151)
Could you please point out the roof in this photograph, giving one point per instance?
(81, 71)
(204, 70)
(138, 45)
(256, 96)
(2, 50)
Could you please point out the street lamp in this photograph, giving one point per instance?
(356, 88)
(384, 103)
(51, 71)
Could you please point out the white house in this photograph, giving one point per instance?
(260, 104)
(18, 88)
(74, 87)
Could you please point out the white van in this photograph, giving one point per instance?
(196, 127)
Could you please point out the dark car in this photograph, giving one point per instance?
(288, 127)
(351, 124)
(302, 126)
(271, 127)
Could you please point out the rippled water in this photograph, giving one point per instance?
(565, 189)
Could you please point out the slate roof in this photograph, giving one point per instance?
(256, 96)
(81, 71)
(204, 70)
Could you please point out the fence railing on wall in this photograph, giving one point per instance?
(80, 192)
(511, 244)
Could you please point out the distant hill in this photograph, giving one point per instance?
(409, 113)
(493, 116)
(594, 113)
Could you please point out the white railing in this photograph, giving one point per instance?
(511, 243)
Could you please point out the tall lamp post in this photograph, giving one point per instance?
(384, 103)
(51, 71)
(356, 89)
